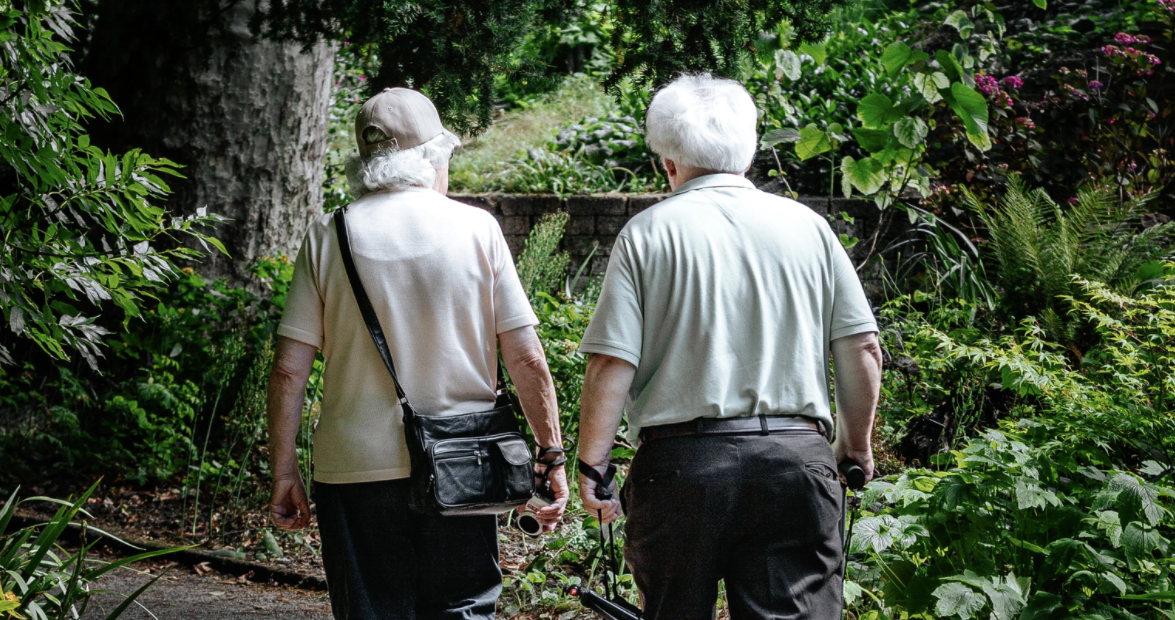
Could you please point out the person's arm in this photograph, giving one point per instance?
(605, 388)
(857, 360)
(293, 362)
(526, 361)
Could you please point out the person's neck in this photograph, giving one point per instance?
(685, 174)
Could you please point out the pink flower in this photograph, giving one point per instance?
(1013, 81)
(1073, 201)
(1096, 85)
(362, 78)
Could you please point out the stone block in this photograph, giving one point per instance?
(610, 225)
(516, 243)
(580, 246)
(516, 225)
(481, 201)
(581, 225)
(529, 205)
(640, 202)
(597, 204)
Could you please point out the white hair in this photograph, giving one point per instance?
(705, 122)
(390, 168)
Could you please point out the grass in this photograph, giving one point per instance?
(474, 165)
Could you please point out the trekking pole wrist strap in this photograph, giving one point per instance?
(603, 481)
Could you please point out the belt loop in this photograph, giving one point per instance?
(763, 423)
(701, 425)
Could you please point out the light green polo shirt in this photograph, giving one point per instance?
(726, 298)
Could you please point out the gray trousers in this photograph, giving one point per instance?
(764, 513)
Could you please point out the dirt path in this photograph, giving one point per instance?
(182, 594)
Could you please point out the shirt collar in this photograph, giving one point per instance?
(721, 179)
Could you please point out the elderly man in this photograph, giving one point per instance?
(714, 329)
(444, 288)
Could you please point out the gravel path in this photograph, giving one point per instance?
(182, 594)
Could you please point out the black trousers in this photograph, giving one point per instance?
(765, 513)
(385, 562)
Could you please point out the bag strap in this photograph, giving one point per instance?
(372, 321)
(365, 308)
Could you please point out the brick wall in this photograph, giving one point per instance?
(599, 218)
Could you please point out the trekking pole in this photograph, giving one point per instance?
(855, 477)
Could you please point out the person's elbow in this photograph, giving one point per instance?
(865, 347)
(522, 351)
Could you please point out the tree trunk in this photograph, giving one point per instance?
(247, 118)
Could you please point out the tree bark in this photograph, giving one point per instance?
(247, 118)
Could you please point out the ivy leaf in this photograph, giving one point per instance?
(875, 109)
(789, 63)
(1152, 468)
(1006, 596)
(896, 57)
(956, 599)
(778, 136)
(1136, 498)
(910, 131)
(818, 51)
(959, 21)
(812, 142)
(1029, 495)
(866, 175)
(872, 140)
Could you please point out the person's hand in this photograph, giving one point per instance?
(288, 507)
(608, 509)
(863, 457)
(551, 514)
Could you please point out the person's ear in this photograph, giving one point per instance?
(670, 167)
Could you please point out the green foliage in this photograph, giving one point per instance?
(41, 579)
(656, 41)
(80, 226)
(1022, 525)
(1038, 248)
(541, 267)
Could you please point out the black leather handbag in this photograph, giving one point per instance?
(462, 464)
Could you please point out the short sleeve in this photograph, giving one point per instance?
(511, 307)
(851, 313)
(303, 317)
(617, 326)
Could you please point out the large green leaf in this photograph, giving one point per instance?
(895, 58)
(875, 110)
(813, 141)
(971, 108)
(1140, 541)
(788, 63)
(872, 140)
(867, 175)
(1041, 606)
(949, 65)
(929, 84)
(1041, 4)
(956, 599)
(959, 21)
(818, 51)
(910, 131)
(777, 136)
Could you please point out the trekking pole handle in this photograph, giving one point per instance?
(854, 474)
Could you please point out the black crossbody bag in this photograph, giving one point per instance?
(462, 464)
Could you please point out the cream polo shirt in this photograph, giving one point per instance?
(443, 283)
(726, 298)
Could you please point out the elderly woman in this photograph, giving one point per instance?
(445, 290)
(719, 311)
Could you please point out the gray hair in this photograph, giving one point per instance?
(705, 122)
(391, 168)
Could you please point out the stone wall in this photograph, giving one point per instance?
(599, 218)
